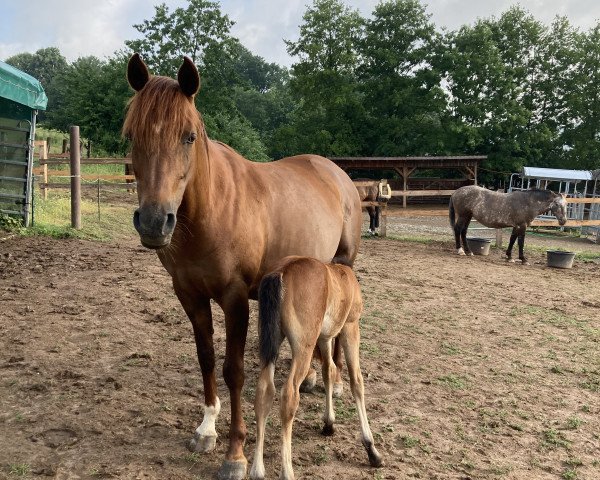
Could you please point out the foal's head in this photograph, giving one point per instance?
(163, 125)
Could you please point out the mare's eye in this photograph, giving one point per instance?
(191, 138)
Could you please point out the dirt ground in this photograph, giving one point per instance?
(474, 368)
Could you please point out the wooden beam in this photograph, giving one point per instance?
(570, 223)
(421, 193)
(583, 200)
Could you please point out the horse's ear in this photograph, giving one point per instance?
(137, 72)
(188, 78)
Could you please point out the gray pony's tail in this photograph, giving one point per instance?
(451, 213)
(270, 293)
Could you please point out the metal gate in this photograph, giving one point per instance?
(15, 167)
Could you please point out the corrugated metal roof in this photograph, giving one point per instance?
(556, 174)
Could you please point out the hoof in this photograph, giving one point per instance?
(338, 389)
(460, 251)
(510, 260)
(525, 262)
(328, 430)
(374, 457)
(232, 470)
(308, 384)
(202, 444)
(470, 254)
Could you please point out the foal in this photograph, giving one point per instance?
(309, 303)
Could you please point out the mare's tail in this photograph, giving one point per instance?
(451, 213)
(270, 294)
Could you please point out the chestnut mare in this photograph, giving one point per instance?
(309, 303)
(219, 222)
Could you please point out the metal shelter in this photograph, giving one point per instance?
(21, 96)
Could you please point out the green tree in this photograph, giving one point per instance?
(405, 102)
(330, 116)
(46, 65)
(582, 127)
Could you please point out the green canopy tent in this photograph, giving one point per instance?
(21, 96)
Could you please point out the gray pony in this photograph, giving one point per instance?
(498, 210)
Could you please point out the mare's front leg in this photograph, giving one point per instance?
(199, 313)
(511, 243)
(236, 309)
(521, 240)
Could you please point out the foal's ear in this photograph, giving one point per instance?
(188, 78)
(137, 72)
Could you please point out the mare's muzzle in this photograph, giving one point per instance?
(155, 225)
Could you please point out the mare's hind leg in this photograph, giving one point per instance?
(350, 339)
(463, 235)
(265, 391)
(290, 398)
(329, 372)
(511, 243)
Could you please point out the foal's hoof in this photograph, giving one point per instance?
(375, 458)
(460, 251)
(510, 260)
(338, 389)
(470, 254)
(524, 262)
(308, 384)
(202, 443)
(232, 470)
(328, 430)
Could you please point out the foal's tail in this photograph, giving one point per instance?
(270, 294)
(451, 213)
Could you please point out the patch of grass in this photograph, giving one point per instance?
(413, 239)
(570, 474)
(453, 381)
(343, 411)
(573, 423)
(449, 349)
(553, 439)
(19, 469)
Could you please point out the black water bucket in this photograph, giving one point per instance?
(479, 246)
(559, 259)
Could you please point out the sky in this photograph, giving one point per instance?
(100, 27)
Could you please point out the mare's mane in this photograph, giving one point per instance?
(174, 113)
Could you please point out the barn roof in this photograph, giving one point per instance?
(556, 174)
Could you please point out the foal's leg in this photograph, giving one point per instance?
(199, 313)
(521, 240)
(236, 309)
(350, 339)
(338, 384)
(265, 391)
(513, 237)
(290, 398)
(329, 371)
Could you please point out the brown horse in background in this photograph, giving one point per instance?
(498, 210)
(220, 222)
(369, 194)
(309, 303)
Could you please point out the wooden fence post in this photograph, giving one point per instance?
(44, 156)
(383, 225)
(499, 237)
(75, 156)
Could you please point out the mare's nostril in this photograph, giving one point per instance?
(170, 224)
(136, 220)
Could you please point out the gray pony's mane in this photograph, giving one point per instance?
(540, 194)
